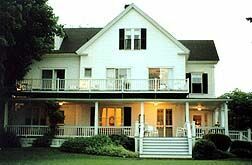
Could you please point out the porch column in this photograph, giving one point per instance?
(5, 114)
(222, 116)
(188, 127)
(141, 127)
(96, 119)
(226, 118)
(187, 113)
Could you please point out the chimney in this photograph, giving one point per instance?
(125, 6)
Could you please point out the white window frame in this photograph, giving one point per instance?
(91, 72)
(196, 75)
(132, 32)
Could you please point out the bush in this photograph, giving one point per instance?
(8, 139)
(127, 142)
(206, 150)
(97, 145)
(82, 144)
(222, 142)
(43, 141)
(241, 149)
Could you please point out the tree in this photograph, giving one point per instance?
(55, 116)
(249, 19)
(27, 29)
(240, 114)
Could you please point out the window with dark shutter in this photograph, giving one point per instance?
(205, 83)
(188, 76)
(127, 116)
(196, 81)
(121, 38)
(143, 38)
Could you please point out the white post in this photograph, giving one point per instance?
(193, 133)
(226, 118)
(96, 119)
(5, 114)
(141, 127)
(136, 136)
(249, 135)
(188, 127)
(240, 135)
(222, 114)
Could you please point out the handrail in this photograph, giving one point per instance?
(123, 85)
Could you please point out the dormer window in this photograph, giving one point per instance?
(132, 39)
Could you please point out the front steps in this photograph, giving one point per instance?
(173, 147)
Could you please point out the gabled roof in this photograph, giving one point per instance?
(116, 19)
(201, 50)
(75, 38)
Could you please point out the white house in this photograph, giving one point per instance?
(131, 77)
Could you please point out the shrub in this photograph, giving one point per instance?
(127, 142)
(43, 141)
(241, 144)
(81, 144)
(113, 150)
(222, 142)
(8, 139)
(241, 149)
(97, 145)
(206, 150)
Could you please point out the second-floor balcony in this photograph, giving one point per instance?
(105, 85)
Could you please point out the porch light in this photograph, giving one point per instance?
(199, 107)
(61, 103)
(155, 104)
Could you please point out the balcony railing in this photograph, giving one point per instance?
(104, 85)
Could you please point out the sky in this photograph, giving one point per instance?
(223, 21)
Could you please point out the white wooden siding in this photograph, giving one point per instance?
(203, 68)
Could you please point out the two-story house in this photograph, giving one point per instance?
(131, 77)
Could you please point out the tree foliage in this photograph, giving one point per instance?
(240, 114)
(249, 19)
(27, 29)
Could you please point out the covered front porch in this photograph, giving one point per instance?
(134, 118)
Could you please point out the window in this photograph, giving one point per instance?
(137, 39)
(111, 117)
(132, 39)
(88, 72)
(118, 73)
(198, 82)
(127, 42)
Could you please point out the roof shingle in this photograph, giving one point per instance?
(200, 50)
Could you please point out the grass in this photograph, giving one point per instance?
(43, 156)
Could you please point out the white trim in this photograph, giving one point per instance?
(116, 19)
(124, 100)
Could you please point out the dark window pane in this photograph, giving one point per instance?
(196, 88)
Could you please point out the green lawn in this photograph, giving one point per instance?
(35, 156)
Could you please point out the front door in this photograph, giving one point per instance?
(164, 122)
(60, 78)
(158, 78)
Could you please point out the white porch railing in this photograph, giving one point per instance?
(96, 85)
(201, 131)
(75, 131)
(68, 131)
(28, 130)
(240, 135)
(124, 130)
